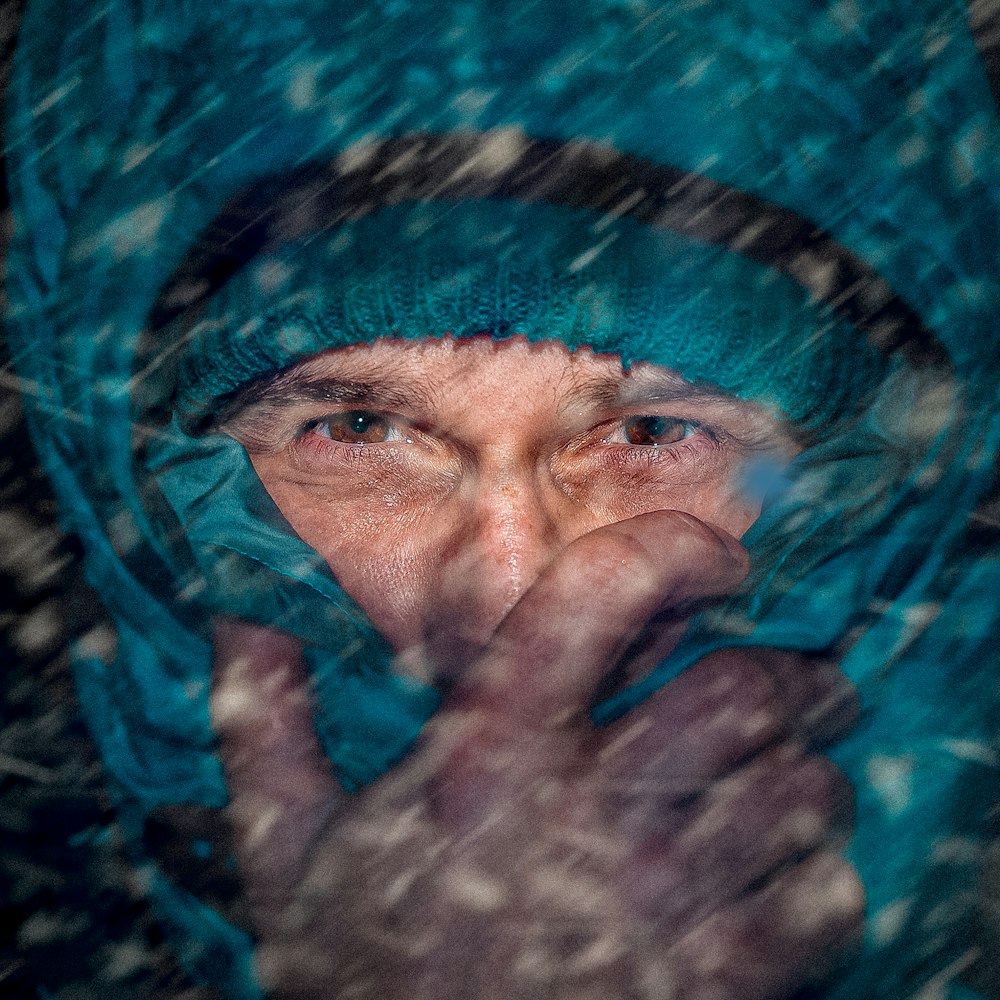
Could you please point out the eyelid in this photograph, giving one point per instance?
(612, 423)
(728, 421)
(268, 426)
(394, 420)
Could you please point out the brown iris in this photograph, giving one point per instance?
(355, 427)
(654, 431)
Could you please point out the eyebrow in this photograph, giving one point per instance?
(644, 386)
(386, 386)
(298, 386)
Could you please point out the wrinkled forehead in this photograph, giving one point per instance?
(493, 382)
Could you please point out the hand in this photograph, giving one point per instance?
(689, 851)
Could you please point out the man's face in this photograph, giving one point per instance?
(438, 478)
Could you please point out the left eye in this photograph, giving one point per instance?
(651, 431)
(355, 427)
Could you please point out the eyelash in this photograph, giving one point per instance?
(655, 425)
(391, 421)
(696, 437)
(699, 439)
(313, 446)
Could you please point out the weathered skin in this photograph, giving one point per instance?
(688, 851)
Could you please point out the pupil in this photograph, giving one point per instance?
(360, 421)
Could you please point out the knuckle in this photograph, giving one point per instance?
(822, 900)
(845, 892)
(687, 535)
(820, 773)
(665, 550)
(818, 800)
(818, 698)
(605, 560)
(830, 785)
(746, 667)
(791, 802)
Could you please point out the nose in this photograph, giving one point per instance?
(507, 530)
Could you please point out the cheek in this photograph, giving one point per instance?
(616, 495)
(380, 549)
(710, 504)
(729, 511)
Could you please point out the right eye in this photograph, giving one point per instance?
(356, 427)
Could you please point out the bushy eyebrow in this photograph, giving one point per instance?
(643, 386)
(294, 388)
(255, 413)
(383, 389)
(250, 411)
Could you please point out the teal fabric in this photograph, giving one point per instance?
(130, 124)
(616, 285)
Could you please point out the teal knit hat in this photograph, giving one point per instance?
(497, 233)
(540, 271)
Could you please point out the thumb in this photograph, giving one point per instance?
(568, 630)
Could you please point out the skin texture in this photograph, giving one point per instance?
(496, 456)
(691, 850)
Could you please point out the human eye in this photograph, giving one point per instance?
(355, 427)
(314, 438)
(653, 431)
(358, 439)
(646, 452)
(656, 438)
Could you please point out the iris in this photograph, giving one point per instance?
(355, 427)
(653, 431)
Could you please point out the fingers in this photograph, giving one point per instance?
(722, 710)
(774, 810)
(820, 703)
(698, 727)
(711, 772)
(281, 787)
(770, 943)
(551, 651)
(506, 734)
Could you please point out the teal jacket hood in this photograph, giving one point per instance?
(810, 190)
